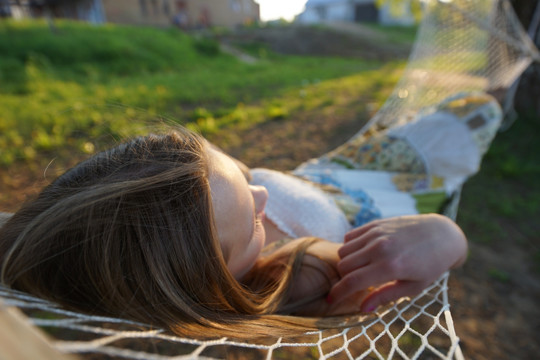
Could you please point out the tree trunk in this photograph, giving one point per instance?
(527, 101)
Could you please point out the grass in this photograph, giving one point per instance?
(396, 34)
(500, 205)
(62, 86)
(499, 275)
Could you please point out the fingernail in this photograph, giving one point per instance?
(329, 299)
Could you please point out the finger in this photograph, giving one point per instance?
(353, 246)
(358, 242)
(353, 261)
(356, 232)
(360, 279)
(393, 291)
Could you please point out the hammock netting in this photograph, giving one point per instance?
(461, 45)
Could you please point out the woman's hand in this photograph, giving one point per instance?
(317, 275)
(398, 257)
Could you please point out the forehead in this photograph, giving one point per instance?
(226, 180)
(221, 166)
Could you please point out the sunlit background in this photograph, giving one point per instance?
(280, 9)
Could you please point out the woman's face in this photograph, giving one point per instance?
(238, 213)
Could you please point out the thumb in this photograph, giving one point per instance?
(390, 292)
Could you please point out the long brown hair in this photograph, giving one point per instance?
(130, 233)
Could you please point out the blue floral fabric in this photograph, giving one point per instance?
(357, 205)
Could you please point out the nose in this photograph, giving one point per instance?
(260, 196)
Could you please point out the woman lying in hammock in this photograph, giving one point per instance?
(166, 230)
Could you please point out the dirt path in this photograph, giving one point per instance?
(328, 40)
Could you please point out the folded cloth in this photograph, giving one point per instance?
(414, 167)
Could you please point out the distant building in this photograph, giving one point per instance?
(318, 11)
(182, 13)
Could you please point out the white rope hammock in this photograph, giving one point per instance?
(409, 329)
(462, 45)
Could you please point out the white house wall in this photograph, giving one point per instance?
(340, 11)
(17, 12)
(324, 10)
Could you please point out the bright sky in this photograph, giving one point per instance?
(276, 9)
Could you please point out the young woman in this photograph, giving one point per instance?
(166, 230)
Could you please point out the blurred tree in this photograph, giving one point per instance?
(398, 8)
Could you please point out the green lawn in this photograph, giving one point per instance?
(61, 86)
(502, 202)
